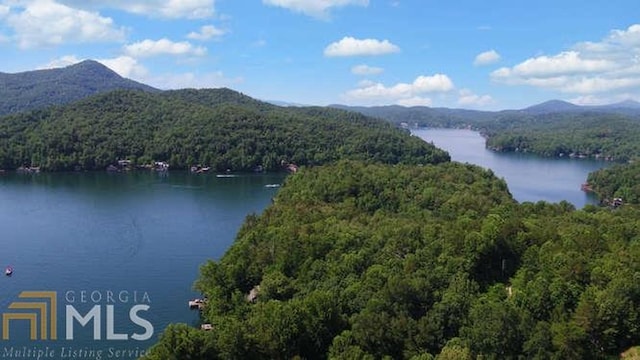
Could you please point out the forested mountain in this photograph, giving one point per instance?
(371, 261)
(552, 106)
(41, 88)
(219, 128)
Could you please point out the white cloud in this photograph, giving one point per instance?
(587, 68)
(365, 70)
(487, 58)
(468, 98)
(192, 9)
(192, 80)
(125, 66)
(588, 100)
(315, 8)
(366, 83)
(602, 100)
(350, 46)
(46, 23)
(62, 62)
(147, 48)
(4, 10)
(415, 101)
(565, 63)
(377, 93)
(206, 32)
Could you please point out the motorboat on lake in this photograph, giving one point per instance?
(8, 271)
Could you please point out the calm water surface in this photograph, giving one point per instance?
(529, 177)
(122, 240)
(125, 234)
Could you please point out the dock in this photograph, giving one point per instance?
(197, 304)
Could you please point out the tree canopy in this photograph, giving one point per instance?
(218, 128)
(356, 260)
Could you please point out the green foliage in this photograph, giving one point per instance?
(371, 261)
(618, 181)
(593, 135)
(218, 128)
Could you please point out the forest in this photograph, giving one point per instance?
(618, 181)
(217, 128)
(592, 135)
(356, 260)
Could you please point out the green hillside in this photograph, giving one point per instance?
(357, 261)
(218, 128)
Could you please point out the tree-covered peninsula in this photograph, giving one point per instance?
(590, 135)
(219, 128)
(618, 181)
(372, 261)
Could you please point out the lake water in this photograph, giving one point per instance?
(110, 243)
(117, 240)
(529, 177)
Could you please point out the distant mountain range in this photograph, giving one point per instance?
(555, 106)
(450, 118)
(41, 88)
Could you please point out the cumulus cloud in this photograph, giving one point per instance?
(191, 9)
(609, 65)
(125, 66)
(487, 58)
(192, 80)
(148, 48)
(61, 62)
(602, 100)
(365, 70)
(206, 32)
(401, 93)
(315, 8)
(47, 23)
(350, 46)
(415, 101)
(468, 99)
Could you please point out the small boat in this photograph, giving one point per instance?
(8, 271)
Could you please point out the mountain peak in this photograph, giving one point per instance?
(629, 103)
(41, 88)
(552, 106)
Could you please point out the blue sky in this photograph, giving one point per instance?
(467, 53)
